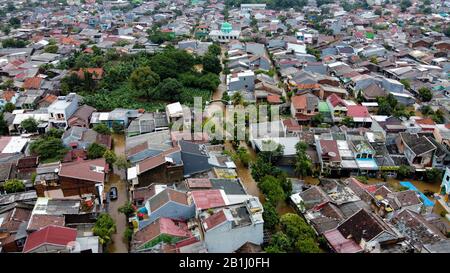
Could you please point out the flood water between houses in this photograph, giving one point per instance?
(117, 179)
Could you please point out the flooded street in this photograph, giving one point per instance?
(116, 179)
(420, 185)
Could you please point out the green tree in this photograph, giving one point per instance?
(317, 119)
(169, 89)
(9, 107)
(295, 227)
(127, 209)
(279, 243)
(211, 63)
(433, 175)
(54, 133)
(11, 42)
(14, 22)
(13, 185)
(3, 125)
(128, 234)
(104, 228)
(143, 79)
(270, 216)
(261, 168)
(237, 98)
(48, 149)
(95, 150)
(101, 128)
(272, 189)
(307, 245)
(51, 49)
(30, 125)
(303, 164)
(110, 157)
(122, 163)
(425, 94)
(426, 110)
(406, 83)
(403, 172)
(214, 49)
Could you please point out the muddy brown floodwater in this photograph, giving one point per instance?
(250, 184)
(116, 179)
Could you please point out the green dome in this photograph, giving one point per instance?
(226, 27)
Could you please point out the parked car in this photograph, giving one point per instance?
(113, 193)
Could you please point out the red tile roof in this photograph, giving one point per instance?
(273, 99)
(214, 220)
(357, 111)
(85, 170)
(53, 235)
(308, 86)
(335, 100)
(299, 102)
(205, 199)
(425, 121)
(340, 244)
(8, 95)
(97, 73)
(291, 124)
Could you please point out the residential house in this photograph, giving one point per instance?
(62, 109)
(416, 229)
(227, 228)
(161, 230)
(166, 167)
(81, 138)
(84, 177)
(242, 81)
(51, 239)
(304, 107)
(362, 232)
(168, 203)
(81, 117)
(13, 234)
(419, 150)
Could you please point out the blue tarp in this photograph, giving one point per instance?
(427, 202)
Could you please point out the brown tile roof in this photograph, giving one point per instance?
(49, 98)
(362, 225)
(39, 221)
(155, 161)
(85, 170)
(32, 83)
(166, 196)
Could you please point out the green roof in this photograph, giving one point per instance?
(226, 27)
(323, 107)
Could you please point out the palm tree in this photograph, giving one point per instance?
(237, 98)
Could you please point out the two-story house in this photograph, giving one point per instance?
(62, 109)
(227, 228)
(418, 150)
(304, 107)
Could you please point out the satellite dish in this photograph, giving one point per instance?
(332, 154)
